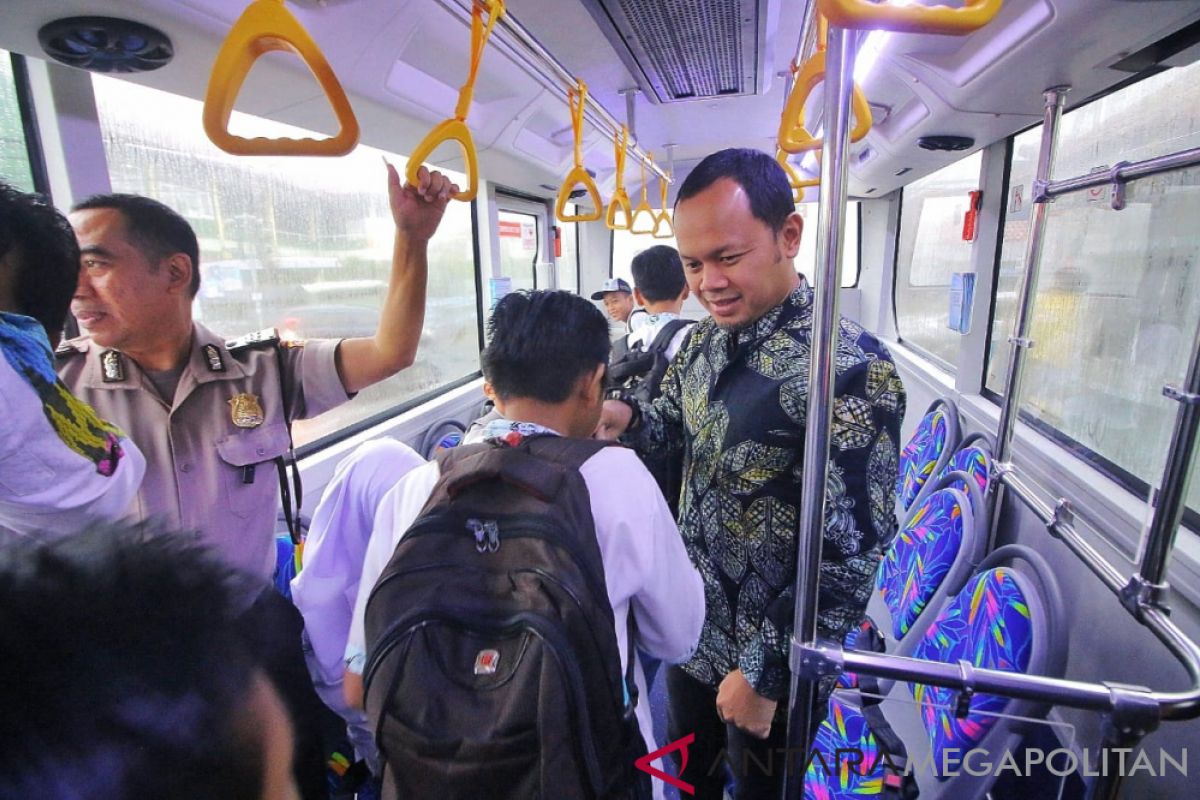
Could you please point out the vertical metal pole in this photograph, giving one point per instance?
(830, 231)
(1055, 98)
(1173, 491)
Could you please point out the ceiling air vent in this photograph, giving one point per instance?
(106, 44)
(687, 49)
(945, 142)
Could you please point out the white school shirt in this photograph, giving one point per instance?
(646, 333)
(645, 564)
(45, 486)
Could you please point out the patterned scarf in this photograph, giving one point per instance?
(27, 350)
(513, 433)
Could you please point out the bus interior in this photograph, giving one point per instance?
(947, 202)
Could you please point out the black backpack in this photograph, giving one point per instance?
(640, 370)
(493, 668)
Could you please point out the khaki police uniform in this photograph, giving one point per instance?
(209, 455)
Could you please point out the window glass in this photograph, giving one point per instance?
(626, 245)
(518, 249)
(300, 244)
(1118, 299)
(568, 262)
(931, 251)
(14, 157)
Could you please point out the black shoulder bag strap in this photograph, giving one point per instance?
(663, 340)
(282, 463)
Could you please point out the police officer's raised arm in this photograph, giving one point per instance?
(417, 210)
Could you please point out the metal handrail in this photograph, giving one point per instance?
(1117, 175)
(510, 32)
(830, 233)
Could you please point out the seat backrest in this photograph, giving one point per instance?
(973, 456)
(926, 453)
(934, 553)
(1007, 617)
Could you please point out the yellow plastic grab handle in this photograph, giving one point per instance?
(456, 128)
(797, 183)
(643, 208)
(620, 198)
(576, 100)
(445, 131)
(793, 136)
(864, 14)
(578, 176)
(264, 26)
(663, 218)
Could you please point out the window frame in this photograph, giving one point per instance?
(33, 138)
(1137, 487)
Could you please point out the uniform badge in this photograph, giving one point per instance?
(216, 361)
(486, 662)
(112, 367)
(246, 411)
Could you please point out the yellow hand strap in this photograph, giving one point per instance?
(863, 14)
(456, 129)
(793, 136)
(620, 198)
(643, 207)
(798, 185)
(663, 227)
(578, 176)
(264, 26)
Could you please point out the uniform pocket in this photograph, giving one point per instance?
(252, 448)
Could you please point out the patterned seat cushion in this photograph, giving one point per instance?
(976, 462)
(919, 558)
(988, 625)
(920, 455)
(832, 773)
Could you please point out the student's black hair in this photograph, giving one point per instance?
(760, 176)
(156, 229)
(40, 247)
(126, 675)
(658, 273)
(541, 343)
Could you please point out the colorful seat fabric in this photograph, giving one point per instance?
(833, 771)
(976, 461)
(925, 452)
(920, 557)
(988, 625)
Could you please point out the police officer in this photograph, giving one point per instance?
(212, 416)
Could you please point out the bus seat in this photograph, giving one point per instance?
(926, 453)
(928, 561)
(1005, 618)
(974, 457)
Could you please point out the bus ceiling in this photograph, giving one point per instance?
(723, 83)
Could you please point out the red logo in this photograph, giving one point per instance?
(643, 763)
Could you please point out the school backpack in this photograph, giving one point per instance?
(493, 666)
(640, 370)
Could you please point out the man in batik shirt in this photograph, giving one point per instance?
(733, 405)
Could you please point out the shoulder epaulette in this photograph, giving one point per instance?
(267, 336)
(70, 347)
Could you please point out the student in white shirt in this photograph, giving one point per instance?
(61, 466)
(659, 287)
(545, 364)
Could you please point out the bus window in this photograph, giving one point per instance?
(300, 244)
(931, 250)
(14, 157)
(567, 264)
(1118, 299)
(519, 249)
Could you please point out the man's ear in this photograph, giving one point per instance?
(591, 384)
(687, 290)
(789, 234)
(638, 297)
(179, 272)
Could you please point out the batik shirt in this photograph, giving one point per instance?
(734, 403)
